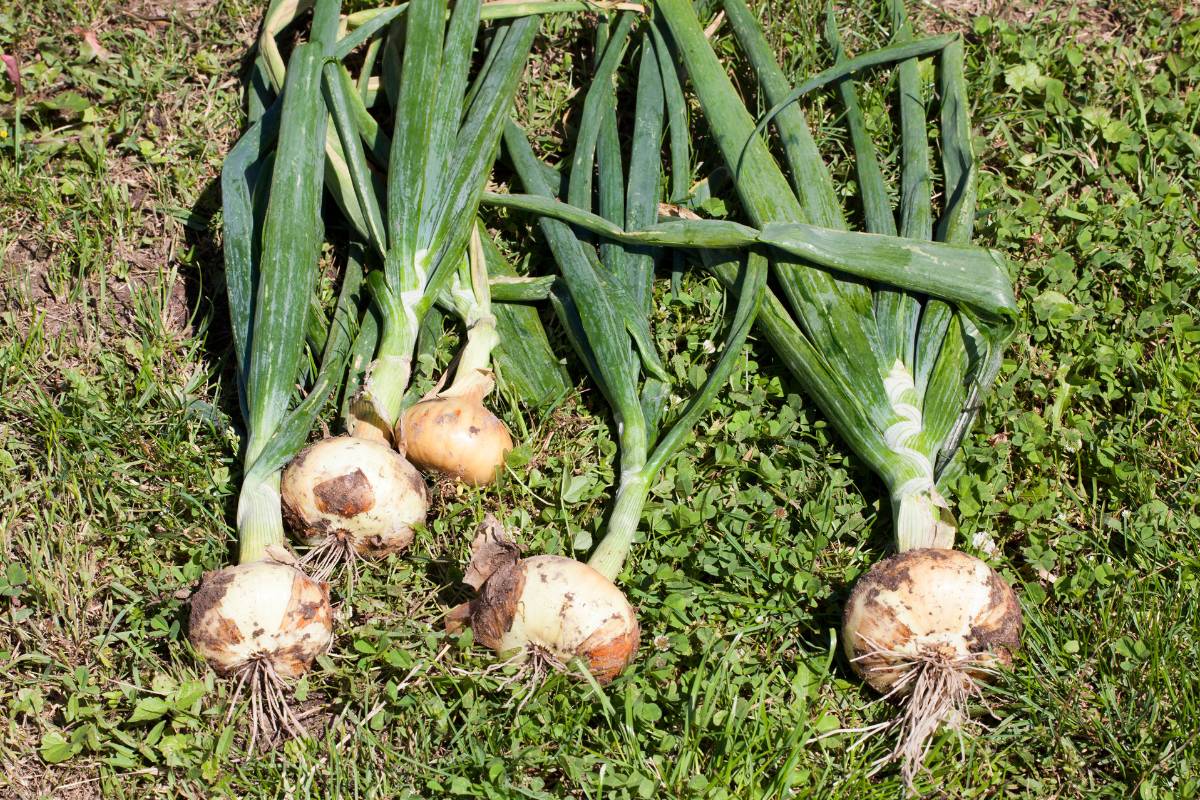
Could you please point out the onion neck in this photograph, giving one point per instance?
(259, 516)
(377, 407)
(475, 359)
(609, 557)
(920, 514)
(923, 519)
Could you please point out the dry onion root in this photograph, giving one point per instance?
(454, 433)
(926, 627)
(261, 623)
(348, 497)
(548, 609)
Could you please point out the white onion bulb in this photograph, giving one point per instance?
(354, 489)
(928, 602)
(926, 628)
(261, 610)
(559, 606)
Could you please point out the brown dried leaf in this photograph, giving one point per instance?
(13, 68)
(492, 549)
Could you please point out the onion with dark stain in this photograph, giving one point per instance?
(360, 495)
(929, 601)
(261, 611)
(551, 607)
(926, 628)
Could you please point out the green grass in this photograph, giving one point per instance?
(116, 451)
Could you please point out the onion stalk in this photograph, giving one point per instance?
(451, 431)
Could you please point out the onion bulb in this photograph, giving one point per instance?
(259, 623)
(550, 607)
(926, 626)
(351, 496)
(455, 434)
(261, 610)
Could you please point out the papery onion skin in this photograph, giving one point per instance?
(263, 609)
(456, 435)
(929, 600)
(356, 488)
(561, 606)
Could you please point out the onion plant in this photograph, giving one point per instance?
(264, 620)
(899, 367)
(356, 495)
(605, 302)
(896, 333)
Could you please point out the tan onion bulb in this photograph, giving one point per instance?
(929, 602)
(356, 490)
(262, 611)
(456, 435)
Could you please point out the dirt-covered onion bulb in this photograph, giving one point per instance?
(925, 627)
(262, 610)
(454, 433)
(259, 623)
(353, 496)
(547, 607)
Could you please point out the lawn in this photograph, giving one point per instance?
(119, 432)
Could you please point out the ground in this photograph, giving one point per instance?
(118, 435)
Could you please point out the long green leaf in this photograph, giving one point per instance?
(898, 313)
(420, 72)
(293, 430)
(891, 343)
(677, 116)
(448, 107)
(645, 173)
(972, 276)
(291, 246)
(339, 91)
(600, 325)
(877, 208)
(594, 106)
(885, 55)
(239, 237)
(810, 177)
(475, 151)
(524, 359)
(837, 315)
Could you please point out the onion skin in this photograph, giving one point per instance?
(559, 605)
(263, 609)
(455, 435)
(927, 601)
(355, 488)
